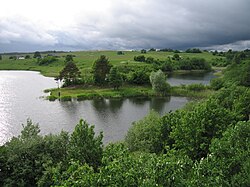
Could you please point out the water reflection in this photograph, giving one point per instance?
(158, 104)
(115, 105)
(191, 78)
(70, 108)
(112, 116)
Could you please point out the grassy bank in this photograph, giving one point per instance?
(126, 91)
(97, 92)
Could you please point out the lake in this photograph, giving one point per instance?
(177, 79)
(21, 98)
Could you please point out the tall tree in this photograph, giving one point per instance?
(101, 68)
(115, 78)
(0, 57)
(70, 74)
(84, 146)
(69, 58)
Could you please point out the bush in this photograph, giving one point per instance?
(140, 58)
(145, 134)
(196, 87)
(150, 60)
(216, 84)
(120, 53)
(139, 77)
(47, 60)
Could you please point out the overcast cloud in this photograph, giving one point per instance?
(29, 25)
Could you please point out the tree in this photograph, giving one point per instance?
(101, 68)
(13, 57)
(143, 51)
(120, 53)
(193, 50)
(37, 54)
(69, 58)
(229, 161)
(176, 57)
(158, 81)
(140, 58)
(144, 135)
(152, 49)
(192, 131)
(27, 56)
(0, 57)
(24, 158)
(84, 146)
(70, 74)
(115, 78)
(139, 76)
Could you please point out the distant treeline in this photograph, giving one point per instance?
(42, 52)
(176, 63)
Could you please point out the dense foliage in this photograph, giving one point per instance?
(205, 144)
(101, 68)
(193, 50)
(46, 60)
(115, 78)
(159, 82)
(70, 74)
(69, 58)
(30, 159)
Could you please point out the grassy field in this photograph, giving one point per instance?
(125, 91)
(97, 92)
(85, 59)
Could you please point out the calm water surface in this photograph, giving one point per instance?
(21, 98)
(191, 78)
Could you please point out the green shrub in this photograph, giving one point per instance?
(145, 134)
(196, 87)
(216, 84)
(46, 60)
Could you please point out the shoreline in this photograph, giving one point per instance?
(67, 94)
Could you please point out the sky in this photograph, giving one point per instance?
(31, 25)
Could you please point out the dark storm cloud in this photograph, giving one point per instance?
(181, 24)
(141, 24)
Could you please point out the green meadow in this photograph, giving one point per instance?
(85, 59)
